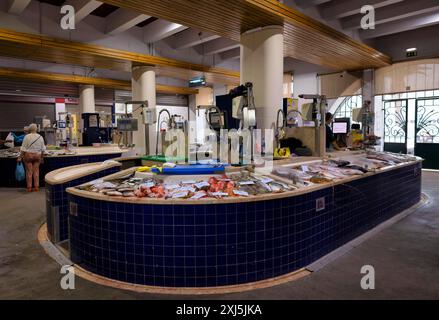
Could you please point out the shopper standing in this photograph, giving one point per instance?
(32, 153)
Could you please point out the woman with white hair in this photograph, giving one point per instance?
(32, 153)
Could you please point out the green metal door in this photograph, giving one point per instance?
(395, 126)
(427, 131)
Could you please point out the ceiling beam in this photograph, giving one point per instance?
(17, 6)
(39, 76)
(343, 8)
(83, 8)
(161, 29)
(412, 23)
(190, 38)
(393, 12)
(121, 20)
(231, 54)
(48, 49)
(217, 46)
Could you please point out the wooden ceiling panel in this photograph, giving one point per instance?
(38, 76)
(42, 48)
(227, 18)
(305, 39)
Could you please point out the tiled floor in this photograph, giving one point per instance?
(405, 257)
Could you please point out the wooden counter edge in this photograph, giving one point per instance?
(82, 154)
(50, 177)
(129, 158)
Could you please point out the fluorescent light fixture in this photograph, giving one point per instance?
(197, 82)
(411, 49)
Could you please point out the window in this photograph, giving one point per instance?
(120, 108)
(345, 108)
(288, 86)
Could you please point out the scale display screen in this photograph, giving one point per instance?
(215, 119)
(127, 124)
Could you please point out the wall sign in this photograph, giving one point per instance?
(73, 209)
(320, 204)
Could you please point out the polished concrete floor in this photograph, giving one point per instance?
(405, 257)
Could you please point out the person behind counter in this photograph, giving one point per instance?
(12, 139)
(4, 143)
(32, 153)
(331, 140)
(19, 139)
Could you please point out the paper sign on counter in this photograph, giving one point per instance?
(186, 188)
(172, 186)
(240, 193)
(181, 194)
(148, 184)
(202, 184)
(246, 183)
(199, 195)
(219, 194)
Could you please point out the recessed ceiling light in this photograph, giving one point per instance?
(411, 49)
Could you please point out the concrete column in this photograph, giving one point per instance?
(368, 90)
(144, 89)
(205, 97)
(262, 63)
(87, 99)
(86, 105)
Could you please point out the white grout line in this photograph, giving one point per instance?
(341, 251)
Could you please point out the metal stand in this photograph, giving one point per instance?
(319, 113)
(158, 129)
(146, 117)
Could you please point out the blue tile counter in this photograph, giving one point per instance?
(56, 196)
(215, 243)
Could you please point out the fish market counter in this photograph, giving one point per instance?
(218, 232)
(54, 160)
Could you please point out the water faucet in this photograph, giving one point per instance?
(158, 128)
